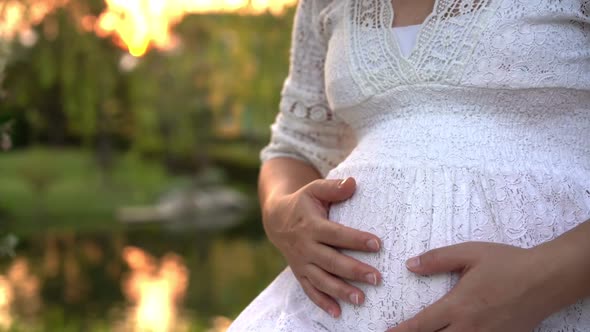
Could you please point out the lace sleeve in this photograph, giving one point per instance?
(305, 127)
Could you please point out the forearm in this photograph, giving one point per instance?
(283, 176)
(567, 266)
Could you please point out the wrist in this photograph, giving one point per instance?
(271, 219)
(269, 204)
(561, 279)
(546, 295)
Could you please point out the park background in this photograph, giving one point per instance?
(130, 132)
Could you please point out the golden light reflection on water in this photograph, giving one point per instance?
(19, 291)
(6, 298)
(155, 288)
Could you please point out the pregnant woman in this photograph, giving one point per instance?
(429, 169)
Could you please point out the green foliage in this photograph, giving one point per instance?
(223, 82)
(62, 189)
(4, 54)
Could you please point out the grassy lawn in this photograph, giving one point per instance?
(64, 189)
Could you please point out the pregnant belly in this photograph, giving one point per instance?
(414, 210)
(387, 204)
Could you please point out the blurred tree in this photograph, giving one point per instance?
(219, 88)
(62, 85)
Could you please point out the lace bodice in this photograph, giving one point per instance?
(344, 57)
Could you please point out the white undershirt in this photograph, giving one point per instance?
(406, 37)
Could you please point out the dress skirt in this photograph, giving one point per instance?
(414, 210)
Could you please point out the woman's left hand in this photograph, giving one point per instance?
(502, 289)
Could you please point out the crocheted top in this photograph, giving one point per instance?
(514, 62)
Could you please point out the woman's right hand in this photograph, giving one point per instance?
(297, 224)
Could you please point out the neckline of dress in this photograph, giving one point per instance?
(398, 32)
(407, 27)
(406, 38)
(383, 65)
(420, 28)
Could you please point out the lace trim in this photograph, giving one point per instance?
(444, 44)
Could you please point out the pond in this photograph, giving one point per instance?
(137, 278)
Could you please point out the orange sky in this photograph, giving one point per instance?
(139, 24)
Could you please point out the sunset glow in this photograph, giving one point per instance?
(143, 23)
(17, 17)
(136, 25)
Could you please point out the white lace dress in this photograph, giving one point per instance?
(481, 133)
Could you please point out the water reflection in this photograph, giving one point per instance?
(155, 289)
(5, 303)
(219, 324)
(19, 293)
(132, 279)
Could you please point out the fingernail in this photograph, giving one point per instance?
(371, 278)
(354, 298)
(333, 313)
(413, 262)
(341, 184)
(373, 245)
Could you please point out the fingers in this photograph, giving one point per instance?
(433, 318)
(334, 286)
(336, 263)
(332, 190)
(341, 236)
(446, 259)
(320, 299)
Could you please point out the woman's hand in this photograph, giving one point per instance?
(297, 225)
(502, 289)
